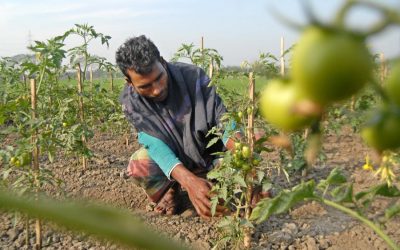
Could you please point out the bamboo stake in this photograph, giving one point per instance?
(383, 68)
(282, 58)
(110, 73)
(81, 109)
(91, 83)
(35, 162)
(25, 81)
(250, 141)
(211, 69)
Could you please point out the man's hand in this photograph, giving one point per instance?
(198, 190)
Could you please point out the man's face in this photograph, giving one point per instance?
(153, 85)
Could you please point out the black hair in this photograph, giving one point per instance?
(138, 54)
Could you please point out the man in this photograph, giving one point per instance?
(172, 109)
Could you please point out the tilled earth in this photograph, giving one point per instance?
(307, 226)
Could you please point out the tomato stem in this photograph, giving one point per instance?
(390, 16)
(378, 88)
(367, 222)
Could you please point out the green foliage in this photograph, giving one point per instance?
(101, 221)
(283, 201)
(202, 57)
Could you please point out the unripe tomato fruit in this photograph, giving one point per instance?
(392, 84)
(276, 105)
(13, 160)
(246, 167)
(330, 65)
(382, 132)
(245, 152)
(64, 124)
(17, 163)
(249, 110)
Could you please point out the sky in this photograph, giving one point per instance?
(238, 29)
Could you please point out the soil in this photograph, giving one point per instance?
(306, 226)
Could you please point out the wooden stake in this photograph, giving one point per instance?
(249, 176)
(81, 109)
(202, 44)
(211, 69)
(110, 73)
(282, 59)
(91, 83)
(35, 160)
(383, 68)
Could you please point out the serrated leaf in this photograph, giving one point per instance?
(213, 175)
(214, 203)
(101, 221)
(336, 177)
(392, 211)
(240, 180)
(212, 142)
(381, 189)
(343, 193)
(283, 201)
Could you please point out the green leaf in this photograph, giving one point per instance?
(213, 175)
(283, 201)
(392, 211)
(101, 221)
(343, 193)
(214, 203)
(381, 189)
(240, 180)
(212, 142)
(336, 177)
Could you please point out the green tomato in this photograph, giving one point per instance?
(276, 105)
(330, 65)
(64, 124)
(13, 160)
(246, 152)
(249, 110)
(246, 167)
(240, 114)
(382, 132)
(255, 162)
(238, 145)
(17, 163)
(392, 84)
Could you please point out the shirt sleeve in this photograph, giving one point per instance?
(160, 153)
(229, 129)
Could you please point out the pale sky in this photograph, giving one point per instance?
(239, 29)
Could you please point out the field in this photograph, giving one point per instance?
(306, 226)
(322, 140)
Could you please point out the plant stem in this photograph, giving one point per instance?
(378, 88)
(367, 222)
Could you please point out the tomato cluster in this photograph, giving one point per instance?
(328, 65)
(21, 160)
(242, 157)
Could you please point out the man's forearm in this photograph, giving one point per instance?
(183, 176)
